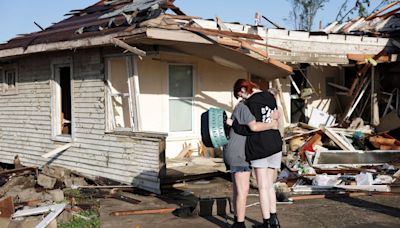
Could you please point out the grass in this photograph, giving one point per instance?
(88, 219)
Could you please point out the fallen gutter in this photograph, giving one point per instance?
(54, 210)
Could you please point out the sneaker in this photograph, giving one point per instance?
(274, 222)
(238, 225)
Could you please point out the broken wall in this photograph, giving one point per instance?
(26, 120)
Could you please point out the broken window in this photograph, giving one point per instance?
(62, 102)
(9, 80)
(180, 97)
(120, 103)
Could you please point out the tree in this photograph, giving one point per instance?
(303, 12)
(359, 6)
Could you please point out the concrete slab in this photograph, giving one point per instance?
(363, 211)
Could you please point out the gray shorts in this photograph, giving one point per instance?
(273, 161)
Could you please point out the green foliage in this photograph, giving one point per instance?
(361, 7)
(303, 12)
(88, 219)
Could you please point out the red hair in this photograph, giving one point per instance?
(243, 83)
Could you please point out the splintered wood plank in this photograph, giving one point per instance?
(216, 32)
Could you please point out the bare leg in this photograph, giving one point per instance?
(271, 177)
(242, 190)
(263, 189)
(234, 194)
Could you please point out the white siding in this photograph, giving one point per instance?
(25, 126)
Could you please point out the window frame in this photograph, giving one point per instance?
(58, 63)
(181, 133)
(133, 93)
(4, 85)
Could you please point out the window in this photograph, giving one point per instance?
(180, 98)
(62, 100)
(121, 102)
(9, 80)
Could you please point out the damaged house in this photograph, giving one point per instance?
(117, 88)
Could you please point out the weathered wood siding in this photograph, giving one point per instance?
(25, 125)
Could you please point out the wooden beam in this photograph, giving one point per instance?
(67, 45)
(374, 15)
(221, 25)
(363, 57)
(338, 139)
(279, 64)
(57, 150)
(247, 45)
(339, 86)
(216, 32)
(274, 24)
(281, 98)
(143, 212)
(126, 46)
(170, 5)
(182, 17)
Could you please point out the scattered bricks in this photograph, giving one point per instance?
(29, 194)
(68, 182)
(29, 182)
(46, 181)
(47, 197)
(57, 172)
(57, 195)
(79, 181)
(14, 191)
(11, 183)
(28, 222)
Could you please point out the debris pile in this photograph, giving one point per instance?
(335, 159)
(30, 197)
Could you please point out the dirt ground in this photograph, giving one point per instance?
(362, 211)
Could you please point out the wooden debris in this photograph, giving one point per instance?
(7, 207)
(282, 99)
(143, 212)
(19, 170)
(361, 58)
(308, 146)
(126, 46)
(221, 25)
(352, 194)
(186, 151)
(339, 86)
(339, 139)
(57, 150)
(374, 15)
(215, 32)
(124, 198)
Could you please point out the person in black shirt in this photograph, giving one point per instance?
(263, 149)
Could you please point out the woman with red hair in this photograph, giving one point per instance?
(262, 149)
(235, 158)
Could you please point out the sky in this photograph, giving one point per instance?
(18, 16)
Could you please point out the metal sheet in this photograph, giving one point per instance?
(340, 159)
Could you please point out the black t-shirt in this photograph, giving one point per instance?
(266, 143)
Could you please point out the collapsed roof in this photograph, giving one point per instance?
(382, 23)
(119, 22)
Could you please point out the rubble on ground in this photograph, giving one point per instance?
(333, 159)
